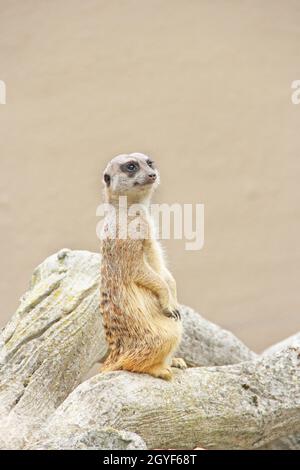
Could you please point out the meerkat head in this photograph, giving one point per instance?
(133, 175)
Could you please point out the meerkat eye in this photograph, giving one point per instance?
(131, 167)
(150, 163)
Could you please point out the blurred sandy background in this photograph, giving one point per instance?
(203, 87)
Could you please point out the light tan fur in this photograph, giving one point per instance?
(138, 293)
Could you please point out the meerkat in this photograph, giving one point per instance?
(138, 294)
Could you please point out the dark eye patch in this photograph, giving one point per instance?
(130, 168)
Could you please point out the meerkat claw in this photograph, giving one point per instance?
(179, 363)
(175, 314)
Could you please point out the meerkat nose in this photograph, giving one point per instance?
(152, 176)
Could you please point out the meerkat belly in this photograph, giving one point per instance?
(134, 315)
(142, 314)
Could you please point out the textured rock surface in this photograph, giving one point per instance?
(289, 442)
(291, 341)
(51, 342)
(239, 406)
(206, 344)
(56, 336)
(92, 438)
(285, 443)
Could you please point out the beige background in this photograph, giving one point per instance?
(205, 88)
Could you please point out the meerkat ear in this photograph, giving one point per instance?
(106, 178)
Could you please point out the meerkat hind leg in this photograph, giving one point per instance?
(105, 367)
(160, 370)
(179, 363)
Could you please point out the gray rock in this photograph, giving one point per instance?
(56, 336)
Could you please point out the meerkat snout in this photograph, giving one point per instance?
(149, 179)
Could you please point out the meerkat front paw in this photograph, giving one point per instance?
(179, 363)
(172, 313)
